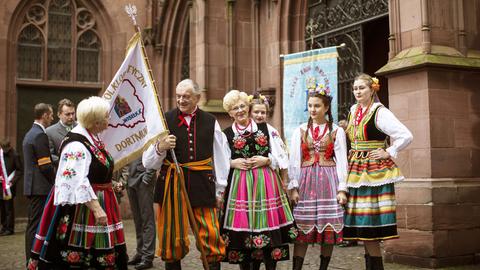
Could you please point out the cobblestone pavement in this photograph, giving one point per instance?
(12, 255)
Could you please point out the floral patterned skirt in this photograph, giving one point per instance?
(258, 223)
(69, 238)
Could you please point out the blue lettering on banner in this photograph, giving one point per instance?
(132, 115)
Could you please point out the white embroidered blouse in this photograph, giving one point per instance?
(387, 123)
(71, 182)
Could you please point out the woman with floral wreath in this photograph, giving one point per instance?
(81, 226)
(258, 222)
(370, 213)
(317, 171)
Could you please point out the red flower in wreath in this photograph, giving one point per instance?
(110, 259)
(73, 257)
(305, 151)
(277, 254)
(329, 151)
(261, 140)
(239, 143)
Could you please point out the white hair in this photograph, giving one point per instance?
(92, 110)
(189, 84)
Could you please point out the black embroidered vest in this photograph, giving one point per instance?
(194, 143)
(371, 132)
(249, 145)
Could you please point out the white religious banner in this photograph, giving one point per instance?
(136, 117)
(300, 70)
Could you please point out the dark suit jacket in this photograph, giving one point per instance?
(138, 173)
(38, 168)
(56, 133)
(13, 163)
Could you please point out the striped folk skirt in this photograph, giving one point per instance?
(258, 222)
(69, 238)
(370, 213)
(318, 215)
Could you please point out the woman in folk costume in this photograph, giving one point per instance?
(370, 212)
(318, 172)
(81, 226)
(258, 222)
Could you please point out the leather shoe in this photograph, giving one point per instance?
(144, 265)
(135, 260)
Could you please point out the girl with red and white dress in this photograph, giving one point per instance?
(317, 172)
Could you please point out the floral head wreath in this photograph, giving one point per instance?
(375, 84)
(263, 99)
(317, 88)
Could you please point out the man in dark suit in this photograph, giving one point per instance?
(58, 131)
(10, 171)
(39, 171)
(140, 194)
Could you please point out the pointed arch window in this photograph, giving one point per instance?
(59, 42)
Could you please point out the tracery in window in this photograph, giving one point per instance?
(58, 41)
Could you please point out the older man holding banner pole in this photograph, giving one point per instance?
(134, 124)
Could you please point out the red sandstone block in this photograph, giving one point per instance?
(407, 82)
(401, 216)
(464, 242)
(475, 153)
(440, 243)
(420, 165)
(419, 217)
(442, 132)
(420, 131)
(412, 243)
(398, 104)
(469, 194)
(444, 195)
(419, 107)
(413, 195)
(449, 103)
(441, 79)
(464, 135)
(451, 162)
(456, 217)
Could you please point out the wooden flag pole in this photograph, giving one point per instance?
(132, 13)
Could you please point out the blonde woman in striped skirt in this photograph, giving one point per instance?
(370, 212)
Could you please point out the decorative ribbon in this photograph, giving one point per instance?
(172, 225)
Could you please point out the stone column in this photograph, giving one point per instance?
(434, 79)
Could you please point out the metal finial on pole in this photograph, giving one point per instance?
(132, 13)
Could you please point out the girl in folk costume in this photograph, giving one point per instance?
(258, 222)
(259, 107)
(81, 226)
(370, 212)
(318, 171)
